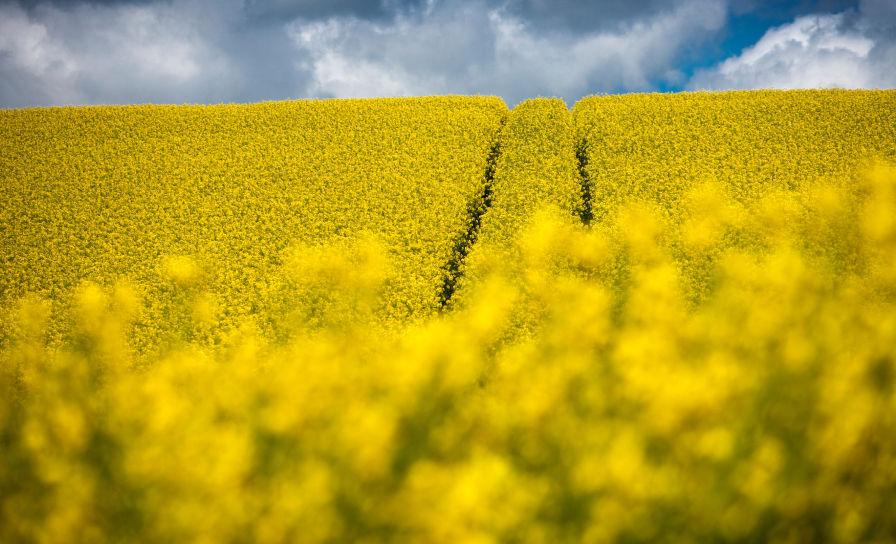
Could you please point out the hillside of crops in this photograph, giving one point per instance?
(217, 204)
(657, 317)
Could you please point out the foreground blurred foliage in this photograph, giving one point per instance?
(728, 376)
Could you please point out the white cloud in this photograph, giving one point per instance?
(126, 51)
(435, 49)
(28, 45)
(28, 53)
(470, 47)
(336, 73)
(104, 54)
(154, 46)
(829, 50)
(340, 76)
(631, 57)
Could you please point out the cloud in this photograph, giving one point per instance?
(32, 65)
(572, 15)
(435, 49)
(130, 51)
(56, 52)
(474, 47)
(322, 9)
(848, 49)
(633, 56)
(91, 53)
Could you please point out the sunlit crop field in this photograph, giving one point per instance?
(648, 318)
(216, 199)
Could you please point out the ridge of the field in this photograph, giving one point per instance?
(206, 200)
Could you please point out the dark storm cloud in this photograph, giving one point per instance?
(63, 3)
(790, 8)
(321, 9)
(273, 11)
(580, 16)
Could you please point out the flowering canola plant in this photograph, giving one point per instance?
(724, 372)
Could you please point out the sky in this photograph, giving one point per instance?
(66, 52)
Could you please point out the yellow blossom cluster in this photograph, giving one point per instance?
(189, 200)
(763, 413)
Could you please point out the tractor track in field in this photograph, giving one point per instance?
(586, 213)
(476, 208)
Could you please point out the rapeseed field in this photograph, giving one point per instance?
(208, 203)
(670, 318)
